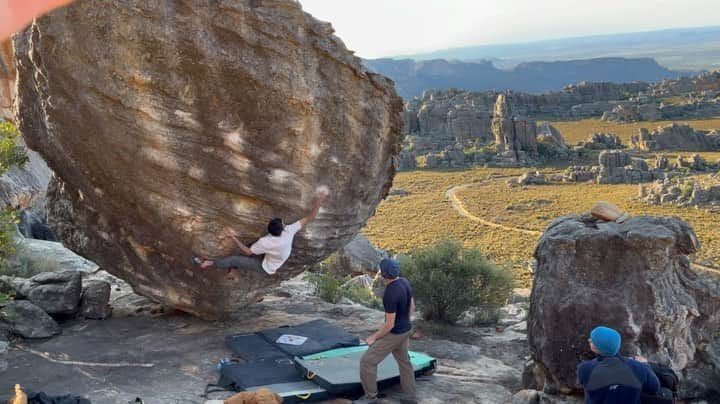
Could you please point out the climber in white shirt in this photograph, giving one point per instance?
(271, 251)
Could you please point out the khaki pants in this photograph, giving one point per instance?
(397, 344)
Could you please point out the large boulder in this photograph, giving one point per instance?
(166, 121)
(634, 277)
(54, 292)
(20, 317)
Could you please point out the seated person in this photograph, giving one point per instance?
(612, 378)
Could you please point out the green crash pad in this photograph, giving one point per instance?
(338, 370)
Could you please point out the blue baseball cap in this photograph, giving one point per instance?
(389, 268)
(606, 340)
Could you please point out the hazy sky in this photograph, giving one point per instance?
(375, 28)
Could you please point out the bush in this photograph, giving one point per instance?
(363, 296)
(449, 280)
(10, 154)
(330, 284)
(687, 189)
(327, 286)
(6, 297)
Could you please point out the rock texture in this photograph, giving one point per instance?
(95, 299)
(634, 277)
(54, 292)
(167, 121)
(22, 318)
(7, 79)
(360, 257)
(675, 137)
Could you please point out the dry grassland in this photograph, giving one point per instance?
(426, 215)
(575, 131)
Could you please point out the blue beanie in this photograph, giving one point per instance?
(389, 268)
(606, 340)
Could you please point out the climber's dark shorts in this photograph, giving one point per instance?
(241, 262)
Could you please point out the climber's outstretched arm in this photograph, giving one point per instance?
(316, 208)
(245, 249)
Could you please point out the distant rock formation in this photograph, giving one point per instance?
(602, 141)
(633, 113)
(167, 121)
(515, 138)
(683, 192)
(454, 116)
(617, 167)
(7, 79)
(675, 137)
(406, 161)
(549, 135)
(414, 77)
(709, 81)
(634, 277)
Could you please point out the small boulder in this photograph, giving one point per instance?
(526, 397)
(54, 292)
(359, 256)
(27, 320)
(94, 301)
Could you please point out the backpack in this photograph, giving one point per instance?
(669, 385)
(668, 378)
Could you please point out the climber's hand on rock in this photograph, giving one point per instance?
(322, 193)
(228, 232)
(641, 359)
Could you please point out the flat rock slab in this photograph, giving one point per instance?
(184, 350)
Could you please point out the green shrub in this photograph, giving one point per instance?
(361, 295)
(687, 189)
(8, 223)
(330, 284)
(10, 154)
(6, 297)
(327, 286)
(449, 280)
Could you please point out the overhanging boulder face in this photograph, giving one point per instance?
(166, 121)
(634, 277)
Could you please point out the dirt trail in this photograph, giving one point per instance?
(459, 206)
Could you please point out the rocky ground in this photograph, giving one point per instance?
(170, 357)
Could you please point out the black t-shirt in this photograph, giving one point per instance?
(396, 299)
